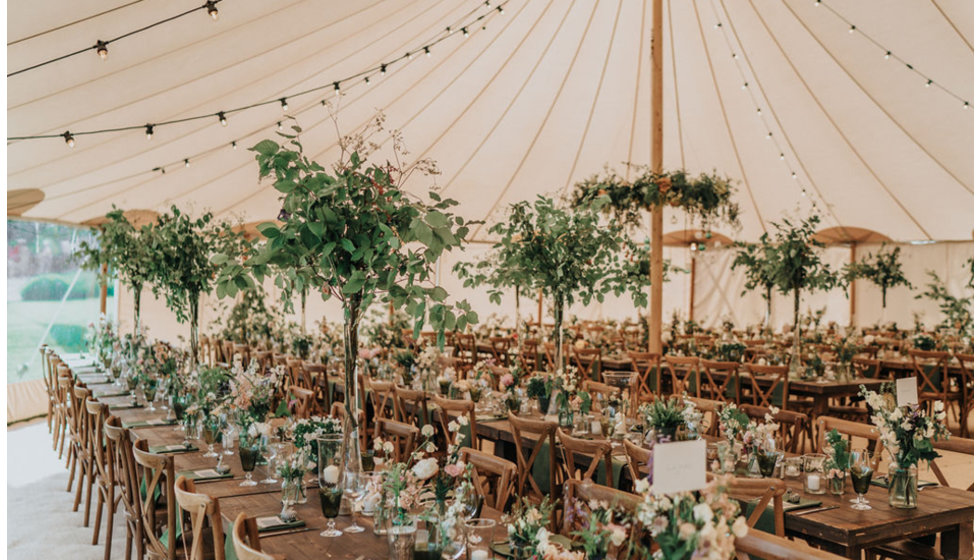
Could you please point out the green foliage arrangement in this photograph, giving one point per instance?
(352, 233)
(958, 311)
(798, 266)
(759, 261)
(129, 253)
(883, 269)
(567, 252)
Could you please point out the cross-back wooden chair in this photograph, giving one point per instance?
(932, 378)
(83, 450)
(403, 436)
(598, 450)
(338, 411)
(709, 409)
(157, 471)
(465, 347)
(66, 387)
(866, 367)
(771, 393)
(245, 351)
(543, 433)
(119, 445)
(263, 358)
(683, 373)
(294, 369)
(762, 545)
(966, 386)
(528, 355)
(638, 459)
(382, 398)
(200, 508)
(850, 430)
(600, 393)
(494, 477)
(411, 406)
(103, 467)
(50, 382)
(766, 491)
(228, 349)
(587, 361)
(316, 376)
(448, 410)
(955, 445)
(300, 401)
(719, 381)
(578, 496)
(62, 404)
(500, 349)
(646, 364)
(245, 540)
(792, 426)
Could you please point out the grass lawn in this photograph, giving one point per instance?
(26, 322)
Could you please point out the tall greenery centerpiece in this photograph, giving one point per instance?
(883, 269)
(958, 311)
(125, 251)
(184, 270)
(352, 233)
(759, 261)
(798, 266)
(567, 252)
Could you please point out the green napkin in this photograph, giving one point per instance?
(172, 449)
(202, 475)
(148, 423)
(115, 394)
(126, 406)
(273, 523)
(882, 482)
(767, 521)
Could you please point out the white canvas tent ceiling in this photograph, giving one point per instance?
(546, 94)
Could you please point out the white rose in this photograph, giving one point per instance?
(642, 486)
(428, 430)
(940, 406)
(463, 421)
(687, 530)
(389, 447)
(617, 535)
(740, 528)
(702, 512)
(426, 468)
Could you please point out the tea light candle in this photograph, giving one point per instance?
(792, 469)
(331, 474)
(813, 482)
(479, 554)
(596, 427)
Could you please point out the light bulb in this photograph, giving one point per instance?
(794, 174)
(745, 85)
(102, 48)
(851, 30)
(966, 105)
(336, 88)
(367, 79)
(282, 102)
(384, 69)
(187, 162)
(149, 132)
(428, 53)
(768, 135)
(465, 32)
(409, 55)
(888, 54)
(212, 9)
(222, 119)
(694, 246)
(782, 156)
(69, 139)
(500, 8)
(234, 145)
(279, 125)
(928, 83)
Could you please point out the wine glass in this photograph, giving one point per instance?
(249, 450)
(272, 450)
(467, 495)
(209, 433)
(228, 439)
(150, 392)
(192, 427)
(329, 479)
(355, 487)
(861, 473)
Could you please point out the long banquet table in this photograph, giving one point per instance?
(942, 510)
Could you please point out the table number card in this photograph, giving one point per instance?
(207, 473)
(906, 392)
(679, 466)
(266, 522)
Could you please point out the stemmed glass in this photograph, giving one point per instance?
(272, 450)
(209, 433)
(192, 427)
(150, 392)
(861, 473)
(249, 450)
(228, 434)
(330, 480)
(355, 487)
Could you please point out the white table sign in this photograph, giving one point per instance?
(679, 466)
(906, 391)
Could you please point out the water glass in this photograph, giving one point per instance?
(330, 479)
(479, 538)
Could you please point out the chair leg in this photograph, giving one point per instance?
(70, 465)
(129, 543)
(88, 495)
(78, 488)
(109, 517)
(98, 519)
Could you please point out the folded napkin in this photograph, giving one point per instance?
(125, 406)
(112, 394)
(273, 523)
(148, 423)
(173, 448)
(201, 475)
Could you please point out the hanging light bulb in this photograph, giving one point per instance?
(768, 135)
(187, 162)
(758, 111)
(735, 56)
(745, 85)
(149, 132)
(966, 105)
(852, 29)
(409, 55)
(222, 119)
(782, 156)
(428, 53)
(694, 246)
(718, 25)
(384, 69)
(928, 83)
(367, 79)
(794, 174)
(816, 3)
(500, 8)
(102, 49)
(283, 104)
(466, 33)
(212, 9)
(336, 88)
(279, 125)
(234, 145)
(69, 139)
(888, 54)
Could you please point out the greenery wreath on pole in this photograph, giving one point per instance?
(882, 269)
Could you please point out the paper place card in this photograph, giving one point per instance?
(679, 466)
(207, 473)
(266, 522)
(906, 392)
(177, 447)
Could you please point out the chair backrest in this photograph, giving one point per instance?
(850, 430)
(931, 374)
(766, 491)
(120, 445)
(82, 428)
(200, 508)
(578, 497)
(718, 381)
(638, 460)
(245, 352)
(600, 451)
(465, 346)
(646, 364)
(600, 392)
(709, 408)
(586, 361)
(494, 477)
(294, 367)
(157, 473)
(758, 544)
(411, 406)
(383, 398)
(683, 373)
(544, 433)
(402, 435)
(772, 392)
(448, 409)
(792, 426)
(104, 464)
(528, 356)
(300, 401)
(866, 367)
(264, 359)
(955, 445)
(245, 539)
(500, 348)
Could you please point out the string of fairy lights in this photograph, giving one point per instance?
(890, 54)
(336, 86)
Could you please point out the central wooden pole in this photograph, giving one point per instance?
(104, 289)
(655, 320)
(853, 284)
(690, 303)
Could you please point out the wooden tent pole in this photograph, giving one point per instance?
(104, 288)
(655, 319)
(853, 284)
(690, 303)
(540, 307)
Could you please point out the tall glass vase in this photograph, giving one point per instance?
(903, 489)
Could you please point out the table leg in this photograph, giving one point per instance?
(957, 542)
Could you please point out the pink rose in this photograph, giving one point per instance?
(454, 470)
(507, 380)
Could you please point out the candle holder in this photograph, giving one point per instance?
(479, 537)
(814, 481)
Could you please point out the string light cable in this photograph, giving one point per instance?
(101, 46)
(282, 100)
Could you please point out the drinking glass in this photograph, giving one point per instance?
(249, 450)
(330, 480)
(150, 392)
(192, 427)
(479, 537)
(861, 473)
(209, 433)
(355, 486)
(272, 450)
(228, 439)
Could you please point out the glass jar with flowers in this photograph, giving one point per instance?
(838, 462)
(525, 525)
(539, 387)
